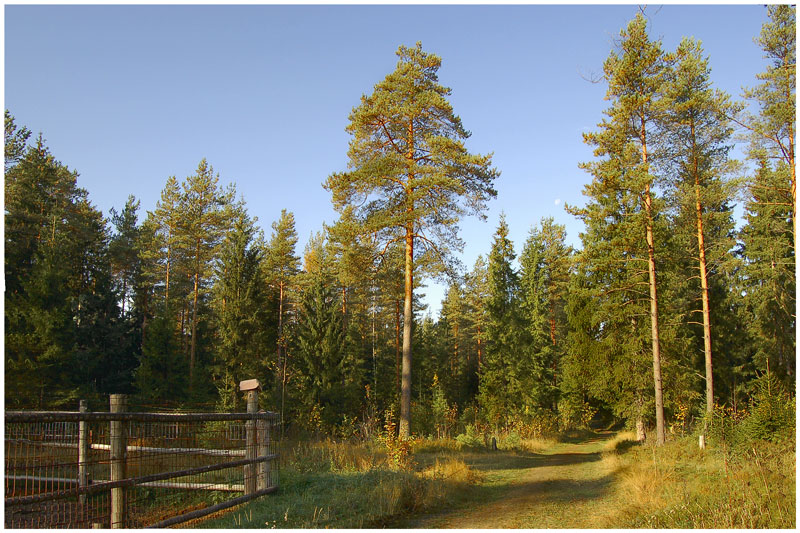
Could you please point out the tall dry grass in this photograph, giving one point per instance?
(681, 486)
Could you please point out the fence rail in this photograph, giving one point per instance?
(125, 469)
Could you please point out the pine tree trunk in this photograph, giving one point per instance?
(281, 374)
(408, 317)
(183, 327)
(454, 362)
(794, 189)
(480, 351)
(344, 310)
(374, 349)
(169, 262)
(408, 311)
(651, 267)
(790, 157)
(704, 288)
(194, 331)
(651, 264)
(398, 356)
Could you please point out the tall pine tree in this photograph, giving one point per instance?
(411, 176)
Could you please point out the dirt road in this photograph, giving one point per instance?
(566, 486)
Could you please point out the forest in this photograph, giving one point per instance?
(668, 318)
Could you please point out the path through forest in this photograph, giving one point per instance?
(565, 486)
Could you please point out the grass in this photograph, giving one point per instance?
(578, 480)
(682, 486)
(347, 485)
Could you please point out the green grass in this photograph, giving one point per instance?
(343, 485)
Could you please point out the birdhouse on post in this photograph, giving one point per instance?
(249, 384)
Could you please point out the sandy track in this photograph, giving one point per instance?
(565, 487)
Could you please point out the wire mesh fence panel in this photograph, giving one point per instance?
(41, 459)
(59, 470)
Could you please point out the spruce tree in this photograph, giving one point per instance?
(503, 393)
(544, 274)
(240, 308)
(769, 282)
(476, 288)
(124, 251)
(321, 354)
(62, 322)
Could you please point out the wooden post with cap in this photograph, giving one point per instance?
(118, 459)
(83, 453)
(251, 387)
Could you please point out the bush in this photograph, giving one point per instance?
(770, 417)
(470, 439)
(511, 441)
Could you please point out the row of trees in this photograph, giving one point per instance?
(666, 303)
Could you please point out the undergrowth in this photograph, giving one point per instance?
(352, 485)
(745, 478)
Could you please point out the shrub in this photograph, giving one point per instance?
(511, 441)
(471, 438)
(770, 417)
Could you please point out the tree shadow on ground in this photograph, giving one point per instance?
(523, 460)
(577, 436)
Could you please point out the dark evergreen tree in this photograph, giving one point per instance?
(544, 273)
(321, 357)
(504, 379)
(240, 310)
(769, 282)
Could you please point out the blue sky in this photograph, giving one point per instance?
(129, 95)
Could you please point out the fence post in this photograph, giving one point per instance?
(263, 449)
(83, 454)
(118, 459)
(250, 386)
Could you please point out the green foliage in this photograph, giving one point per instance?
(239, 304)
(442, 413)
(411, 177)
(774, 128)
(64, 332)
(97, 305)
(322, 360)
(470, 438)
(281, 265)
(768, 279)
(504, 390)
(544, 273)
(162, 375)
(770, 416)
(16, 141)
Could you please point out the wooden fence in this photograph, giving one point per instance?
(132, 469)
